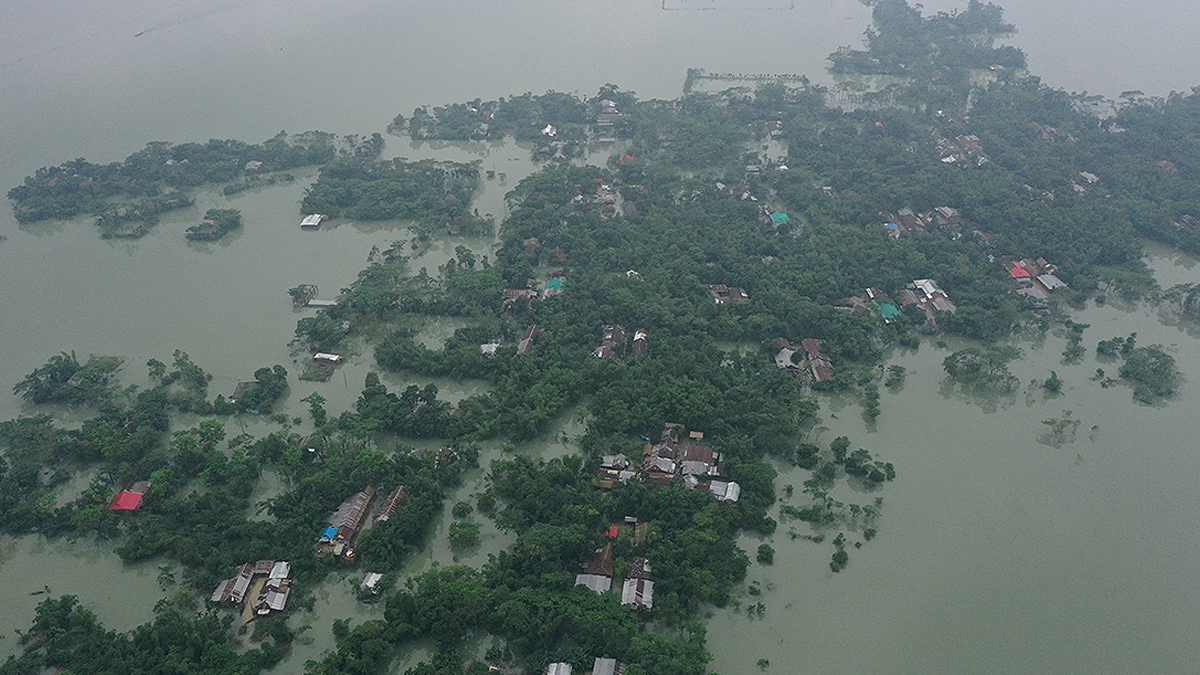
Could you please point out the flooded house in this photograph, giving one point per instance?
(266, 585)
(391, 504)
(345, 523)
(312, 221)
(130, 499)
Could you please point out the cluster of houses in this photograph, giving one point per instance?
(1089, 182)
(613, 342)
(555, 285)
(722, 294)
(1033, 279)
(815, 364)
(337, 537)
(637, 588)
(962, 150)
(264, 585)
(599, 667)
(688, 459)
(905, 221)
(927, 296)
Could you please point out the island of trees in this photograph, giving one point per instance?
(216, 224)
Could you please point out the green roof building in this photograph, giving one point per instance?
(886, 309)
(779, 218)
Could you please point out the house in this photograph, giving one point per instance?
(321, 304)
(328, 358)
(962, 150)
(526, 343)
(819, 365)
(370, 583)
(612, 342)
(130, 498)
(608, 114)
(312, 221)
(775, 128)
(1050, 282)
(345, 523)
(722, 294)
(607, 667)
(946, 216)
(783, 357)
(884, 305)
(687, 459)
(909, 221)
(391, 503)
(614, 468)
(272, 596)
(638, 346)
(726, 491)
(253, 165)
(558, 669)
(598, 572)
(489, 348)
(930, 295)
(1017, 270)
(779, 218)
(638, 593)
(513, 295)
(554, 286)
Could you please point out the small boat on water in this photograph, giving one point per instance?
(139, 33)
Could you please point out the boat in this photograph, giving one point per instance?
(140, 33)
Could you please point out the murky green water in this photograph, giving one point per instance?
(995, 554)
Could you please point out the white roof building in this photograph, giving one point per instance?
(638, 593)
(281, 570)
(598, 583)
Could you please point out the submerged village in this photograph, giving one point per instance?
(692, 279)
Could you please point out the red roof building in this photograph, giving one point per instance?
(125, 501)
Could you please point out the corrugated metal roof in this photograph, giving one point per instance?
(604, 667)
(638, 593)
(598, 583)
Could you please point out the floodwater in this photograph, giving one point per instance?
(995, 553)
(122, 595)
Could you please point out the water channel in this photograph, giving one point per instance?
(996, 553)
